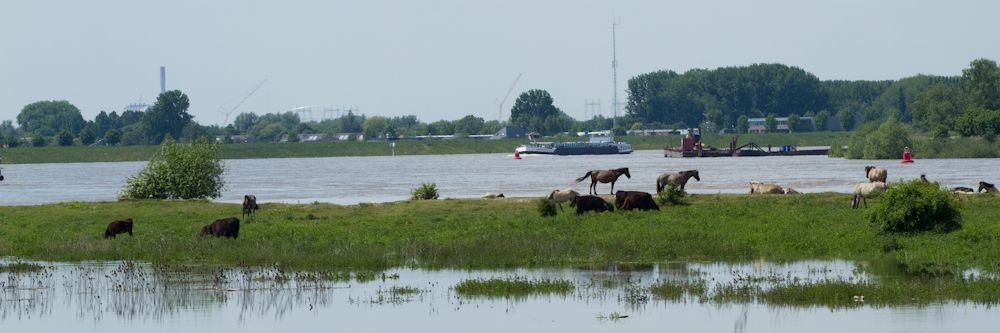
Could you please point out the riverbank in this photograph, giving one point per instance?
(478, 233)
(81, 154)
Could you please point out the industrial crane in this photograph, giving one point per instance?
(227, 113)
(504, 100)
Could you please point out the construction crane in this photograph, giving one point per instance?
(227, 113)
(504, 100)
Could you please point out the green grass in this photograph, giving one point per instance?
(20, 267)
(473, 233)
(513, 287)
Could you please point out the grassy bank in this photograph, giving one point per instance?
(475, 233)
(21, 155)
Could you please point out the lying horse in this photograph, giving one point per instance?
(604, 176)
(989, 188)
(586, 203)
(676, 178)
(765, 188)
(629, 200)
(876, 174)
(563, 195)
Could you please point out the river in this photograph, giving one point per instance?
(351, 180)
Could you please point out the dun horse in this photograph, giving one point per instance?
(604, 176)
(676, 178)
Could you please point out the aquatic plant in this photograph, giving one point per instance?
(512, 287)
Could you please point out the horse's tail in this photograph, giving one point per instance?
(584, 177)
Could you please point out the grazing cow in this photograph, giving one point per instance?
(863, 191)
(249, 205)
(989, 188)
(586, 203)
(876, 174)
(563, 195)
(765, 188)
(227, 227)
(629, 200)
(963, 190)
(118, 227)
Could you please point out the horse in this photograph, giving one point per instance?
(863, 191)
(249, 205)
(876, 174)
(989, 188)
(764, 188)
(676, 178)
(563, 195)
(604, 176)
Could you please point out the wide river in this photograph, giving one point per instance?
(351, 180)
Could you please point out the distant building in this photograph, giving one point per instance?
(137, 107)
(510, 132)
(756, 125)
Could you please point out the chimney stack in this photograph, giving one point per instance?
(163, 79)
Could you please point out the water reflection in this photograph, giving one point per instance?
(127, 294)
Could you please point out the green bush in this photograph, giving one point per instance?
(64, 138)
(915, 206)
(178, 171)
(546, 207)
(672, 195)
(426, 191)
(885, 141)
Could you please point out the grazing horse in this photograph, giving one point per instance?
(989, 188)
(876, 174)
(604, 176)
(563, 195)
(249, 205)
(676, 178)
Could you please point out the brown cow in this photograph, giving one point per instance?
(227, 227)
(249, 204)
(586, 203)
(118, 227)
(629, 200)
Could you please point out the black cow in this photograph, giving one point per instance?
(629, 200)
(586, 203)
(249, 205)
(227, 227)
(118, 227)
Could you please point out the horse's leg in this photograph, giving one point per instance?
(613, 186)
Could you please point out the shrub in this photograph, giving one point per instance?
(672, 195)
(178, 171)
(64, 138)
(426, 191)
(38, 141)
(915, 206)
(546, 207)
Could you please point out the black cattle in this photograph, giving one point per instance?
(989, 188)
(629, 200)
(227, 227)
(249, 204)
(118, 227)
(586, 203)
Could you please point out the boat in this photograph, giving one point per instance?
(691, 146)
(598, 145)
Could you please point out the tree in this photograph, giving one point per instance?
(793, 123)
(38, 141)
(168, 116)
(374, 127)
(112, 137)
(847, 118)
(179, 171)
(982, 82)
(820, 120)
(87, 136)
(770, 123)
(11, 141)
(49, 117)
(533, 109)
(742, 124)
(938, 107)
(245, 121)
(979, 122)
(64, 138)
(469, 125)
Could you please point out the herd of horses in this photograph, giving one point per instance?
(225, 227)
(628, 200)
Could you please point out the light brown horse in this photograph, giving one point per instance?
(676, 178)
(604, 176)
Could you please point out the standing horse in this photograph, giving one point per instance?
(676, 178)
(604, 176)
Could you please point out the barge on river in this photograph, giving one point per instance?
(691, 148)
(598, 145)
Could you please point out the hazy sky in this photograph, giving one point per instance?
(447, 59)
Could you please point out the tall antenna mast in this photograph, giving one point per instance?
(614, 72)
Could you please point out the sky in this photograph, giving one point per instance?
(447, 59)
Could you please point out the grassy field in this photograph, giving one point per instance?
(55, 154)
(477, 233)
